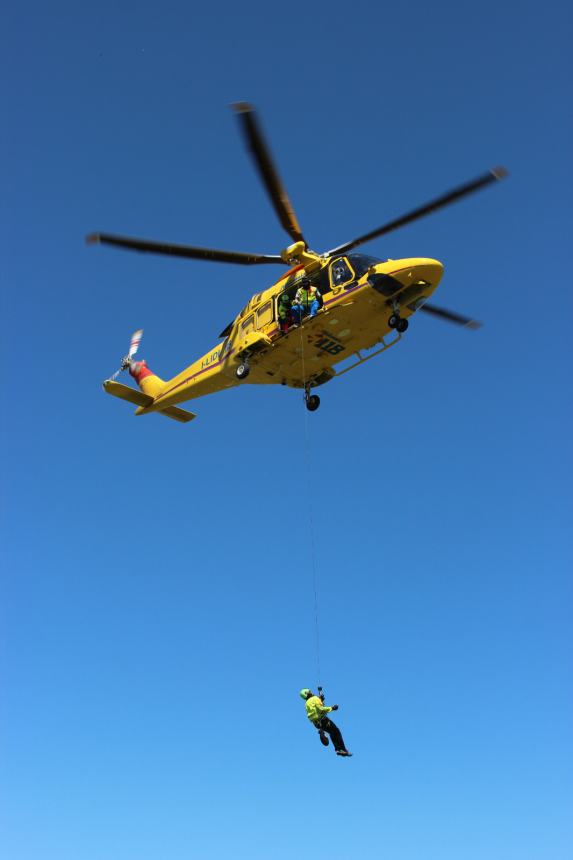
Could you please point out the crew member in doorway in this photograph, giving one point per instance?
(317, 712)
(306, 301)
(285, 313)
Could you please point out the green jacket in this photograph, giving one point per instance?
(284, 308)
(315, 710)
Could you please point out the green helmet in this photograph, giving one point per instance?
(304, 694)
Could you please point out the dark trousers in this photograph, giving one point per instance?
(326, 725)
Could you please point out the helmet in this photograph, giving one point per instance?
(304, 282)
(305, 693)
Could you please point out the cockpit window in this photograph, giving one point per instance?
(362, 262)
(340, 272)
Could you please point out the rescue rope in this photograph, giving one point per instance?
(308, 463)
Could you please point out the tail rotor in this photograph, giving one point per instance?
(133, 347)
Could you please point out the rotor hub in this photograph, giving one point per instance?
(298, 254)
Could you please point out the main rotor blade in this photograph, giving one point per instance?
(450, 316)
(147, 246)
(450, 197)
(267, 170)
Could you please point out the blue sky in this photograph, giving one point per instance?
(157, 602)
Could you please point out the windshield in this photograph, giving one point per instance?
(361, 263)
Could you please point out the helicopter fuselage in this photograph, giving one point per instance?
(360, 295)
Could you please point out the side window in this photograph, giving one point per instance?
(265, 314)
(247, 325)
(341, 273)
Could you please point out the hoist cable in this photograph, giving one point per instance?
(308, 463)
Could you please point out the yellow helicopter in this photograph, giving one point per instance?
(336, 308)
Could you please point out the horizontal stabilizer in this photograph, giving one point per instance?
(178, 414)
(124, 392)
(133, 395)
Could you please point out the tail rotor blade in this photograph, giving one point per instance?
(133, 347)
(135, 341)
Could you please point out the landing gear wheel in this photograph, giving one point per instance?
(243, 370)
(393, 320)
(312, 402)
(401, 326)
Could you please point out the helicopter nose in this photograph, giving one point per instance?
(417, 274)
(419, 269)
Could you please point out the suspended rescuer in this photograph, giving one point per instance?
(317, 712)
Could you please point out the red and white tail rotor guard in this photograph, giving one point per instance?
(139, 370)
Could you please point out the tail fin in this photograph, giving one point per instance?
(147, 380)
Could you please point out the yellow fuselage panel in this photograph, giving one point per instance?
(353, 318)
(202, 377)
